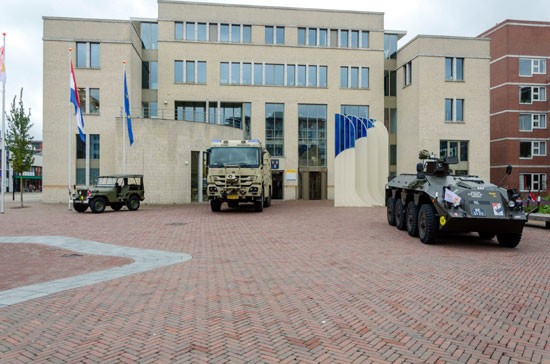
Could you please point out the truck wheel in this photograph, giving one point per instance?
(400, 218)
(390, 210)
(215, 205)
(80, 207)
(259, 204)
(510, 240)
(427, 224)
(267, 201)
(98, 204)
(412, 219)
(133, 203)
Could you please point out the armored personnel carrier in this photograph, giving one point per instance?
(433, 201)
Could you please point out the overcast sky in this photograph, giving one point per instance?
(21, 20)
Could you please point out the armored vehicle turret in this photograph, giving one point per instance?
(434, 201)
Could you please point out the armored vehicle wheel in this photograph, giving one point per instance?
(412, 219)
(267, 201)
(215, 205)
(133, 203)
(80, 207)
(510, 240)
(98, 204)
(483, 235)
(400, 218)
(390, 210)
(116, 206)
(259, 204)
(427, 224)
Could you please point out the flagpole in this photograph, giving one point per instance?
(4, 169)
(123, 128)
(70, 155)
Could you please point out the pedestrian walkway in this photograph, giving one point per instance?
(143, 260)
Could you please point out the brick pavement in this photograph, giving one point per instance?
(302, 282)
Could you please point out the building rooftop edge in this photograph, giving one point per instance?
(514, 22)
(419, 36)
(267, 7)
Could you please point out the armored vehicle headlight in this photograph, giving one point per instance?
(511, 204)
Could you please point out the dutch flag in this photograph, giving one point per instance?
(75, 100)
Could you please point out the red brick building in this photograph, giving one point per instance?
(520, 107)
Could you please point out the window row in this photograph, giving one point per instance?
(190, 72)
(342, 38)
(532, 148)
(213, 32)
(242, 33)
(354, 77)
(240, 73)
(528, 122)
(454, 70)
(531, 66)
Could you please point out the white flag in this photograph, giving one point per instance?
(452, 197)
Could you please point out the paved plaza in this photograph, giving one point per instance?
(301, 282)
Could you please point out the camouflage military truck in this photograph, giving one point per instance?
(239, 171)
(116, 191)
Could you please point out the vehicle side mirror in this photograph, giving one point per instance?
(419, 167)
(509, 170)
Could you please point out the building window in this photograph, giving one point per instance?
(528, 122)
(274, 35)
(390, 46)
(456, 148)
(258, 74)
(323, 38)
(191, 111)
(149, 109)
(312, 135)
(390, 83)
(274, 74)
(291, 75)
(390, 120)
(302, 36)
(529, 94)
(532, 182)
(149, 75)
(190, 72)
(355, 110)
(87, 55)
(454, 109)
(530, 66)
(178, 30)
(354, 77)
(531, 148)
(454, 69)
(393, 154)
(94, 153)
(274, 129)
(89, 100)
(407, 68)
(149, 35)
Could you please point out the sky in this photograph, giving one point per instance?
(21, 20)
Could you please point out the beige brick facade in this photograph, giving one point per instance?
(163, 146)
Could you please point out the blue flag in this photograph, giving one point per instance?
(127, 110)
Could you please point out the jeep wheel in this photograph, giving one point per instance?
(215, 205)
(133, 203)
(116, 206)
(412, 219)
(400, 218)
(98, 204)
(427, 224)
(510, 240)
(390, 210)
(80, 207)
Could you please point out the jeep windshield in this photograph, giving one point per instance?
(106, 181)
(234, 156)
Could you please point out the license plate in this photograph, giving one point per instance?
(232, 197)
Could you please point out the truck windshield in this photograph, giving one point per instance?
(241, 156)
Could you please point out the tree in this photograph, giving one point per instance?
(18, 140)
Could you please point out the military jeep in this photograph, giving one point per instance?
(115, 191)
